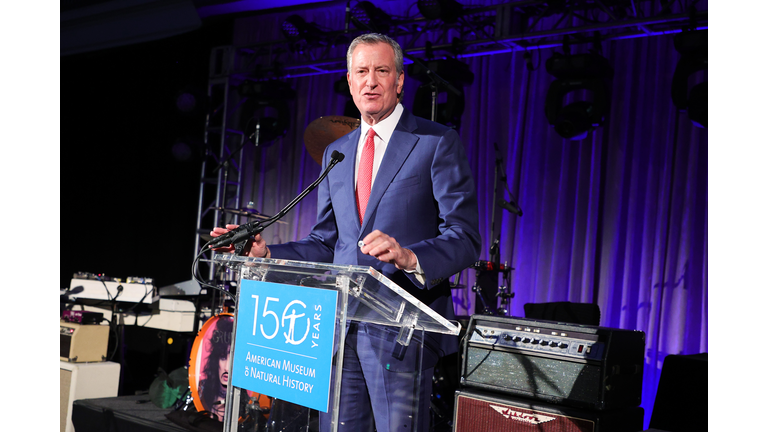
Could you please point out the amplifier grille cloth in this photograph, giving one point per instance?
(534, 375)
(475, 415)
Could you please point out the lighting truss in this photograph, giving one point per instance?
(505, 27)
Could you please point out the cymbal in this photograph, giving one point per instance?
(325, 130)
(251, 213)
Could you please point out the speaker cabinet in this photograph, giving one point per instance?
(681, 401)
(487, 412)
(84, 380)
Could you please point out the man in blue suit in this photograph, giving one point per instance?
(417, 219)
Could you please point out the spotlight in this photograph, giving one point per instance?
(296, 29)
(454, 72)
(447, 10)
(582, 73)
(181, 150)
(366, 16)
(692, 46)
(267, 104)
(292, 27)
(192, 101)
(186, 102)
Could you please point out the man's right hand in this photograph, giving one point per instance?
(256, 247)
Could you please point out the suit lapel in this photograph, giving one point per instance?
(400, 146)
(349, 149)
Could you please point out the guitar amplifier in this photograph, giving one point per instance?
(83, 343)
(588, 367)
(480, 411)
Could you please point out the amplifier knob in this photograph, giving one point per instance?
(507, 337)
(527, 340)
(563, 345)
(544, 343)
(517, 339)
(536, 341)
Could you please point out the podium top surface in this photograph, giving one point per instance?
(372, 297)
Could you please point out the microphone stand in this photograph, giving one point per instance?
(502, 293)
(255, 135)
(225, 164)
(494, 252)
(486, 277)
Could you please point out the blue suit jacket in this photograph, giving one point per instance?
(423, 196)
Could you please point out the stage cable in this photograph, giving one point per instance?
(202, 282)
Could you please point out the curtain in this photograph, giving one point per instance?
(618, 218)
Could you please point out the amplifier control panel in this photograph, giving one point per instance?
(539, 339)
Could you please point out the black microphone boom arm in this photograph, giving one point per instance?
(240, 235)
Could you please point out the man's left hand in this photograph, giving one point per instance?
(387, 249)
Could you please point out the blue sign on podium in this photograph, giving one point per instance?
(284, 342)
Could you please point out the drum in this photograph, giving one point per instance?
(208, 375)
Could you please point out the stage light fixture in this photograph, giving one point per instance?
(366, 16)
(192, 101)
(448, 11)
(292, 27)
(296, 29)
(186, 102)
(266, 104)
(576, 75)
(456, 73)
(693, 46)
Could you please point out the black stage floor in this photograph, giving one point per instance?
(122, 413)
(134, 414)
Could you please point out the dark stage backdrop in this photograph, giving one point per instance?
(130, 159)
(619, 218)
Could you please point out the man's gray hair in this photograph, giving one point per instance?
(372, 39)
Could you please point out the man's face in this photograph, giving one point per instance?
(374, 82)
(223, 374)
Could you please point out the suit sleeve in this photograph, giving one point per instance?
(458, 244)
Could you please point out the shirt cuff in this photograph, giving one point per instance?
(418, 273)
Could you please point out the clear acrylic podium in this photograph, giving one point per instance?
(363, 296)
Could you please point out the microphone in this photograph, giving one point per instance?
(76, 290)
(510, 206)
(243, 232)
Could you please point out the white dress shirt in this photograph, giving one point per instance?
(384, 130)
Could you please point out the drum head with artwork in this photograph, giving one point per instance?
(208, 375)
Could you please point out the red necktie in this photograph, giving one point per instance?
(365, 174)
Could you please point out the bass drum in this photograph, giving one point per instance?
(208, 375)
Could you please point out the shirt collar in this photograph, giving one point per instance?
(385, 128)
